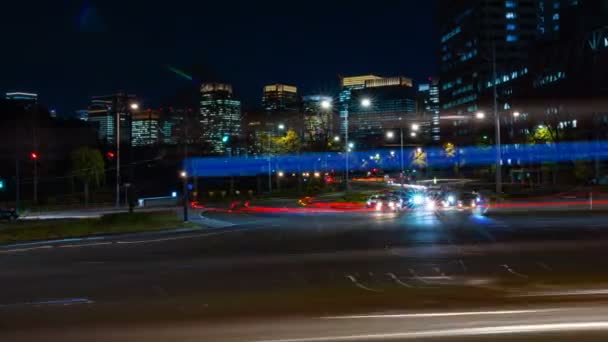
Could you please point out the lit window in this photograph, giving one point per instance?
(556, 16)
(511, 27)
(510, 15)
(510, 4)
(574, 123)
(556, 5)
(512, 38)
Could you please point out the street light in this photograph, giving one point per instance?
(480, 115)
(351, 145)
(281, 127)
(326, 104)
(135, 106)
(413, 134)
(184, 175)
(366, 103)
(516, 114)
(336, 138)
(281, 174)
(415, 127)
(390, 134)
(132, 106)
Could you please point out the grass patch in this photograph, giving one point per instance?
(356, 197)
(32, 230)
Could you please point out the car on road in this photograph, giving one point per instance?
(465, 201)
(385, 202)
(8, 214)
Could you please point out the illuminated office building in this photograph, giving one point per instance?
(428, 106)
(220, 117)
(380, 105)
(146, 127)
(103, 111)
(348, 84)
(280, 97)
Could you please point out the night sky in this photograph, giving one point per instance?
(68, 51)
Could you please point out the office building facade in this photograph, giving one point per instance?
(280, 97)
(220, 117)
(146, 128)
(103, 112)
(347, 85)
(428, 106)
(381, 105)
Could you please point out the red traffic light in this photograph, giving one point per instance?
(110, 155)
(34, 155)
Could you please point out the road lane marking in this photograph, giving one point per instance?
(24, 249)
(359, 285)
(397, 280)
(417, 277)
(63, 302)
(510, 270)
(444, 314)
(168, 239)
(589, 292)
(86, 245)
(479, 331)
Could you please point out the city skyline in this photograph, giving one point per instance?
(85, 52)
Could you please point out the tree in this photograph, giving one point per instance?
(88, 166)
(289, 143)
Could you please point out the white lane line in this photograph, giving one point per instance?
(62, 302)
(510, 270)
(590, 292)
(359, 285)
(168, 239)
(85, 245)
(444, 314)
(25, 249)
(417, 277)
(397, 280)
(480, 331)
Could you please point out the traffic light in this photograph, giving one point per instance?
(34, 155)
(110, 155)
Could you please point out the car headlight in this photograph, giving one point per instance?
(391, 204)
(451, 199)
(418, 199)
(379, 205)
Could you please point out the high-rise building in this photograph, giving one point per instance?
(280, 97)
(103, 111)
(428, 106)
(319, 121)
(381, 105)
(146, 125)
(220, 117)
(348, 84)
(474, 35)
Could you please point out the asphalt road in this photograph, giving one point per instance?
(54, 286)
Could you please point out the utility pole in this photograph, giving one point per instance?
(346, 143)
(497, 125)
(402, 168)
(117, 138)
